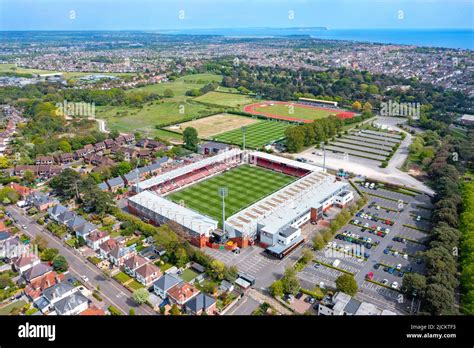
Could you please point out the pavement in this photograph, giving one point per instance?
(110, 290)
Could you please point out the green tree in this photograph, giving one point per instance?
(4, 162)
(168, 93)
(64, 146)
(231, 273)
(181, 257)
(290, 281)
(40, 242)
(318, 242)
(190, 138)
(295, 138)
(29, 176)
(140, 296)
(276, 289)
(60, 264)
(49, 254)
(175, 310)
(414, 284)
(306, 255)
(8, 195)
(347, 284)
(216, 270)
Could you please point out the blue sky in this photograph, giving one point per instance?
(165, 14)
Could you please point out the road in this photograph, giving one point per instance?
(112, 292)
(101, 123)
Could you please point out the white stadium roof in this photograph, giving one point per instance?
(186, 217)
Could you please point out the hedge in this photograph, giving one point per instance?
(114, 310)
(312, 294)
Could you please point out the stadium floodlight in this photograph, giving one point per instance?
(223, 192)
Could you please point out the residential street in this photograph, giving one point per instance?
(112, 292)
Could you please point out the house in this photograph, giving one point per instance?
(100, 146)
(182, 293)
(202, 303)
(93, 310)
(226, 286)
(89, 148)
(21, 190)
(57, 210)
(106, 247)
(99, 161)
(96, 238)
(212, 148)
(120, 140)
(72, 304)
(47, 171)
(55, 293)
(65, 158)
(164, 283)
(36, 286)
(41, 201)
(119, 254)
(109, 143)
(80, 153)
(76, 222)
(129, 138)
(116, 183)
(343, 304)
(45, 160)
(85, 229)
(103, 186)
(147, 273)
(132, 177)
(36, 271)
(134, 262)
(24, 262)
(145, 153)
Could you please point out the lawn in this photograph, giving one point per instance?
(216, 124)
(225, 99)
(246, 184)
(8, 308)
(179, 107)
(188, 275)
(256, 135)
(289, 110)
(122, 277)
(134, 285)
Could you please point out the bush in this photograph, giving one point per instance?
(114, 310)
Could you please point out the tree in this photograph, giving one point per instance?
(175, 310)
(49, 254)
(290, 281)
(60, 264)
(414, 284)
(276, 289)
(181, 257)
(216, 270)
(318, 242)
(8, 195)
(357, 105)
(367, 107)
(64, 146)
(306, 255)
(114, 133)
(140, 296)
(66, 184)
(168, 93)
(347, 284)
(439, 300)
(131, 311)
(40, 242)
(4, 162)
(231, 273)
(29, 176)
(190, 138)
(295, 138)
(121, 169)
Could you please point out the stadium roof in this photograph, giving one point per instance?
(287, 161)
(281, 208)
(186, 217)
(159, 179)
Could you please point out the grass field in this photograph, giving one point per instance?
(130, 119)
(216, 124)
(289, 111)
(245, 184)
(225, 99)
(256, 135)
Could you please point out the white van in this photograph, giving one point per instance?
(372, 185)
(336, 263)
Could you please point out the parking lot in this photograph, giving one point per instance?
(378, 246)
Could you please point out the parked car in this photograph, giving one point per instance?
(370, 276)
(298, 295)
(399, 266)
(377, 266)
(385, 281)
(395, 285)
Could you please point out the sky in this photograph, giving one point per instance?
(200, 14)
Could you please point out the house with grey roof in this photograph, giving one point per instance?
(164, 283)
(201, 303)
(41, 201)
(72, 304)
(76, 222)
(85, 229)
(57, 210)
(103, 186)
(36, 271)
(116, 183)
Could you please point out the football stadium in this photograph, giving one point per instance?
(246, 197)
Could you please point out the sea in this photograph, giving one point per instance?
(443, 38)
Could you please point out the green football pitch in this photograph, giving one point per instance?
(245, 184)
(256, 135)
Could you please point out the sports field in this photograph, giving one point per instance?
(225, 99)
(290, 111)
(215, 124)
(246, 185)
(256, 135)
